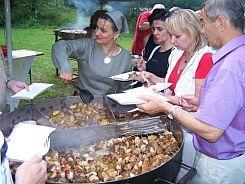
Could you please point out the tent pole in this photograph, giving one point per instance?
(9, 47)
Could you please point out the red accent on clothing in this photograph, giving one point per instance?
(139, 35)
(202, 71)
(204, 66)
(4, 50)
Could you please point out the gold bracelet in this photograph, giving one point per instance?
(172, 111)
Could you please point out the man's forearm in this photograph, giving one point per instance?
(208, 132)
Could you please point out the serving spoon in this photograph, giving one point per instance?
(85, 95)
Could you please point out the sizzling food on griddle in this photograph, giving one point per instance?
(115, 159)
(80, 115)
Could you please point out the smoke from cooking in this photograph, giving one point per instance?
(84, 10)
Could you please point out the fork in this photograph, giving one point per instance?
(145, 79)
(133, 110)
(46, 147)
(133, 83)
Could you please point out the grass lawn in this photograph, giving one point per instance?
(42, 68)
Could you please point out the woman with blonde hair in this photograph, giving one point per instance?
(189, 64)
(187, 72)
(190, 61)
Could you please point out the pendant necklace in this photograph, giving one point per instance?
(107, 59)
(186, 58)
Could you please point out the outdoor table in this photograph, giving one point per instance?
(22, 61)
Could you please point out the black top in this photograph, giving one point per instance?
(158, 64)
(150, 45)
(3, 150)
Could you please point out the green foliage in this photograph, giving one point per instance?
(125, 40)
(57, 13)
(31, 13)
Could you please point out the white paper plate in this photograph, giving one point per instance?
(142, 89)
(123, 76)
(133, 99)
(126, 99)
(28, 140)
(34, 90)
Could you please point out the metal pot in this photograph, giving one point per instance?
(84, 137)
(29, 112)
(69, 34)
(41, 110)
(114, 109)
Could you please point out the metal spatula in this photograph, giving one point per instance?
(85, 95)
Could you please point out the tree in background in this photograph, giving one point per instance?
(26, 13)
(39, 12)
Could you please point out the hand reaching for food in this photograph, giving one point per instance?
(151, 78)
(141, 64)
(189, 103)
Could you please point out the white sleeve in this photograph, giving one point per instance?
(5, 174)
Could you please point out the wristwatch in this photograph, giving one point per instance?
(172, 111)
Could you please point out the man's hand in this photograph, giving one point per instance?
(154, 105)
(189, 103)
(66, 76)
(16, 86)
(33, 171)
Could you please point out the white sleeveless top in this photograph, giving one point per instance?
(186, 82)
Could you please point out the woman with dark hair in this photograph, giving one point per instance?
(93, 23)
(155, 57)
(98, 59)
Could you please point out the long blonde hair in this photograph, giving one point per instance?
(187, 21)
